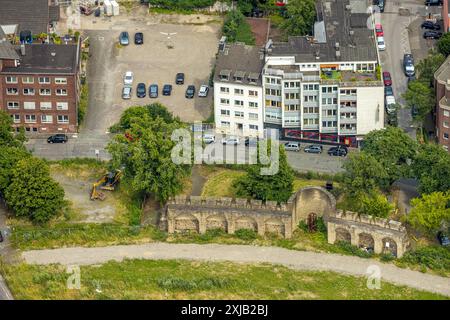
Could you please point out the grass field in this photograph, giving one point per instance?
(179, 279)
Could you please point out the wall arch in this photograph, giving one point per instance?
(217, 221)
(365, 240)
(274, 225)
(389, 246)
(245, 222)
(186, 223)
(343, 235)
(312, 199)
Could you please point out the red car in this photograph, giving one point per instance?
(387, 79)
(379, 30)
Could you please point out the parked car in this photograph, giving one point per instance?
(153, 91)
(141, 90)
(138, 38)
(209, 138)
(128, 78)
(387, 78)
(390, 104)
(430, 25)
(388, 91)
(203, 91)
(340, 151)
(292, 146)
(381, 44)
(314, 148)
(167, 90)
(432, 34)
(179, 79)
(380, 3)
(126, 92)
(190, 92)
(379, 30)
(124, 38)
(58, 138)
(230, 140)
(433, 2)
(443, 238)
(408, 65)
(251, 142)
(392, 119)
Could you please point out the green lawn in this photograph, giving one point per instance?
(179, 279)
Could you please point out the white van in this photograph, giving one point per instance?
(292, 146)
(390, 104)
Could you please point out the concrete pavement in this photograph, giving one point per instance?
(299, 260)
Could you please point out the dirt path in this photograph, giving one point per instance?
(299, 260)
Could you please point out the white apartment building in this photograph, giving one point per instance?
(238, 95)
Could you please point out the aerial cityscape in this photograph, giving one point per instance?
(217, 150)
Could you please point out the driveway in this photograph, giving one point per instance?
(299, 260)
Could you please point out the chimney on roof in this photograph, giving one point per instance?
(22, 49)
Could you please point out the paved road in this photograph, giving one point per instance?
(300, 260)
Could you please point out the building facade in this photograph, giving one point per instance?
(442, 108)
(40, 87)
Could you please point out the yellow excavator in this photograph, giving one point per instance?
(108, 182)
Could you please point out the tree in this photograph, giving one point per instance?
(7, 137)
(231, 25)
(430, 211)
(9, 157)
(363, 174)
(419, 95)
(376, 205)
(300, 17)
(428, 66)
(444, 44)
(147, 157)
(32, 192)
(393, 148)
(277, 187)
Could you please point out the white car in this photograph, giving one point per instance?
(390, 104)
(203, 91)
(230, 140)
(126, 92)
(208, 138)
(381, 44)
(292, 146)
(128, 78)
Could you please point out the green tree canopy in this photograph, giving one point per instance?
(375, 204)
(444, 44)
(7, 137)
(300, 17)
(393, 148)
(430, 211)
(9, 157)
(420, 95)
(428, 66)
(147, 157)
(33, 193)
(277, 187)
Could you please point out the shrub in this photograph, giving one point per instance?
(175, 283)
(386, 257)
(182, 4)
(246, 234)
(353, 250)
(432, 257)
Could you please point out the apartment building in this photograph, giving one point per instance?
(40, 85)
(238, 95)
(442, 108)
(326, 87)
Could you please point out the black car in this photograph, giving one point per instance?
(153, 91)
(138, 38)
(340, 151)
(190, 92)
(167, 90)
(388, 91)
(432, 34)
(433, 2)
(443, 239)
(141, 90)
(408, 65)
(58, 138)
(179, 79)
(430, 25)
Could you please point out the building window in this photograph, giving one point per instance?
(12, 91)
(46, 118)
(16, 118)
(224, 90)
(238, 103)
(62, 106)
(225, 124)
(310, 122)
(28, 91)
(292, 107)
(224, 101)
(12, 105)
(253, 116)
(61, 80)
(329, 124)
(445, 124)
(29, 105)
(445, 135)
(61, 92)
(238, 114)
(446, 113)
(252, 104)
(253, 127)
(44, 80)
(11, 79)
(63, 119)
(252, 93)
(46, 105)
(238, 91)
(225, 112)
(45, 92)
(27, 80)
(30, 118)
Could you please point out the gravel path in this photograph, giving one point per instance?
(300, 260)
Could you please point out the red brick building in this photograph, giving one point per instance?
(442, 85)
(40, 86)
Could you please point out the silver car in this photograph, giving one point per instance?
(292, 146)
(203, 92)
(126, 92)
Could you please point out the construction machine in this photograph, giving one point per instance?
(108, 182)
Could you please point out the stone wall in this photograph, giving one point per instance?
(379, 235)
